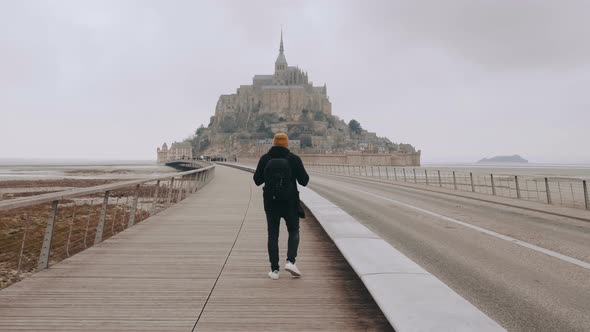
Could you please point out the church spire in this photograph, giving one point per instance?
(281, 62)
(281, 49)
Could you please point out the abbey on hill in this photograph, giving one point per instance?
(287, 101)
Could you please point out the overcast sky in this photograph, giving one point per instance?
(460, 80)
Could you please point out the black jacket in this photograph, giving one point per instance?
(298, 171)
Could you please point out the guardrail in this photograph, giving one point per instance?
(569, 192)
(39, 231)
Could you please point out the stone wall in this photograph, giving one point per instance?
(360, 159)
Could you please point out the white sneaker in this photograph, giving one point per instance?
(292, 268)
(274, 275)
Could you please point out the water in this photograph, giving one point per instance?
(11, 169)
(544, 170)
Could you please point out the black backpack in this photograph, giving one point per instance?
(277, 179)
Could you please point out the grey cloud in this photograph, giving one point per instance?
(460, 79)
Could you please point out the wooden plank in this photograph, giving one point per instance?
(158, 275)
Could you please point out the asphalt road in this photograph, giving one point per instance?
(529, 271)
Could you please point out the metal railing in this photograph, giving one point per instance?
(568, 192)
(39, 231)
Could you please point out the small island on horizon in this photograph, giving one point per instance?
(504, 159)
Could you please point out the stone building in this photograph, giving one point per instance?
(287, 101)
(177, 151)
(287, 94)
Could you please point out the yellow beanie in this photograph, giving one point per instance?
(281, 140)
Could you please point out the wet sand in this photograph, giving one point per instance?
(28, 180)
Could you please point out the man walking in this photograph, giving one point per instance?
(280, 170)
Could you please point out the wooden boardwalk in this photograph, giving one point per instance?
(200, 265)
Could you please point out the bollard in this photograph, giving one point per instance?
(426, 176)
(405, 177)
(454, 180)
(586, 199)
(517, 185)
(472, 185)
(379, 170)
(103, 214)
(415, 180)
(386, 172)
(43, 262)
(395, 174)
(547, 191)
(493, 185)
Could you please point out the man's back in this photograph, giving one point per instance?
(298, 172)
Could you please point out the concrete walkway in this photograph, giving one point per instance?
(200, 265)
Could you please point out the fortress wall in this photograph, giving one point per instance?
(364, 159)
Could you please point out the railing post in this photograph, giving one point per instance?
(43, 262)
(454, 180)
(493, 184)
(366, 174)
(170, 189)
(387, 172)
(586, 199)
(180, 189)
(189, 185)
(133, 207)
(379, 171)
(547, 191)
(70, 231)
(22, 244)
(194, 183)
(103, 214)
(439, 179)
(517, 185)
(395, 174)
(426, 176)
(87, 225)
(155, 198)
(115, 216)
(472, 184)
(415, 179)
(405, 177)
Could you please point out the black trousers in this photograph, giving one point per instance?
(273, 221)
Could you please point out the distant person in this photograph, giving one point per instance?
(280, 170)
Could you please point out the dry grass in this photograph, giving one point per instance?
(74, 229)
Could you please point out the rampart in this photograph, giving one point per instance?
(354, 158)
